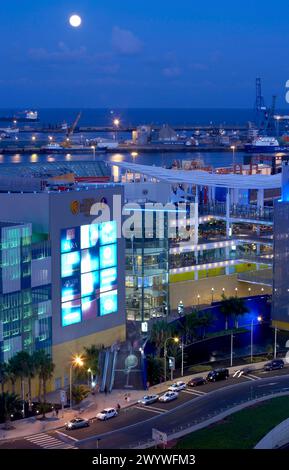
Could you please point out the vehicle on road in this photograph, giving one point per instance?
(177, 387)
(107, 413)
(218, 374)
(77, 423)
(148, 399)
(168, 396)
(196, 382)
(274, 365)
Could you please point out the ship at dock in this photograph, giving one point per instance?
(266, 144)
(25, 116)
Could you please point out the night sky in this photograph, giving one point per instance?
(142, 53)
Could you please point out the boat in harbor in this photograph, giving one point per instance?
(9, 131)
(106, 144)
(265, 144)
(23, 116)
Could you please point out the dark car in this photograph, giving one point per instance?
(274, 365)
(196, 381)
(218, 374)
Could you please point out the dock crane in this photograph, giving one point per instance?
(66, 143)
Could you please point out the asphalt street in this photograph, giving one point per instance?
(134, 424)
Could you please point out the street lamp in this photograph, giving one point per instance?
(259, 318)
(89, 371)
(233, 147)
(212, 290)
(236, 291)
(77, 361)
(198, 297)
(176, 340)
(93, 151)
(116, 123)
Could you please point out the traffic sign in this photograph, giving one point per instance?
(63, 397)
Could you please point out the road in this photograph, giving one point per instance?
(134, 424)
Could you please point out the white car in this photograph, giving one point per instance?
(76, 423)
(169, 396)
(148, 399)
(176, 387)
(107, 413)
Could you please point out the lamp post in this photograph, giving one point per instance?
(236, 291)
(76, 362)
(275, 342)
(252, 335)
(212, 290)
(198, 297)
(176, 340)
(89, 371)
(93, 151)
(233, 147)
(232, 349)
(116, 123)
(182, 366)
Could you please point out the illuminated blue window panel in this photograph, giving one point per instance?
(71, 313)
(108, 256)
(89, 236)
(70, 289)
(108, 303)
(108, 232)
(89, 283)
(70, 263)
(108, 279)
(89, 260)
(88, 307)
(70, 240)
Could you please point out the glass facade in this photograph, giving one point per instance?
(88, 272)
(147, 272)
(25, 311)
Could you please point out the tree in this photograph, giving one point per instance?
(44, 368)
(79, 393)
(23, 368)
(206, 320)
(12, 373)
(161, 330)
(226, 309)
(91, 359)
(10, 403)
(3, 375)
(189, 326)
(155, 369)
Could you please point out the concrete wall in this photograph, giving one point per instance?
(188, 291)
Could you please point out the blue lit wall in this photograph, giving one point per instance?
(88, 272)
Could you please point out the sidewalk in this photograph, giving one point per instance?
(91, 406)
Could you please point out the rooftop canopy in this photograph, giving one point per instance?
(203, 178)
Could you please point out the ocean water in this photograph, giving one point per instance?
(213, 159)
(136, 116)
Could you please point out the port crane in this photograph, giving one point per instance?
(67, 143)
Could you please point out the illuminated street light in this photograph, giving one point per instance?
(176, 340)
(233, 148)
(77, 361)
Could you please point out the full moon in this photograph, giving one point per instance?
(75, 21)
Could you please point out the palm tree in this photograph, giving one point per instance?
(206, 320)
(190, 325)
(9, 404)
(226, 309)
(12, 373)
(23, 369)
(79, 393)
(44, 368)
(91, 359)
(160, 331)
(239, 308)
(3, 375)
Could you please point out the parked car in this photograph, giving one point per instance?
(148, 399)
(218, 374)
(77, 423)
(177, 387)
(107, 413)
(196, 382)
(168, 396)
(274, 365)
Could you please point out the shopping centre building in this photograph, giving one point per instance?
(227, 247)
(62, 268)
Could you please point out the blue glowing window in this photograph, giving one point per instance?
(70, 240)
(108, 278)
(108, 303)
(71, 313)
(89, 236)
(108, 232)
(89, 283)
(70, 263)
(89, 307)
(70, 288)
(89, 260)
(108, 256)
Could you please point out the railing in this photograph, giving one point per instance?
(246, 211)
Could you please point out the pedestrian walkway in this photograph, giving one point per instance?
(48, 442)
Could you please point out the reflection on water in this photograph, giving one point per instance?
(217, 159)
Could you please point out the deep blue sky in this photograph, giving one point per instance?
(142, 53)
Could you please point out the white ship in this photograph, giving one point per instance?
(9, 130)
(265, 144)
(106, 144)
(31, 115)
